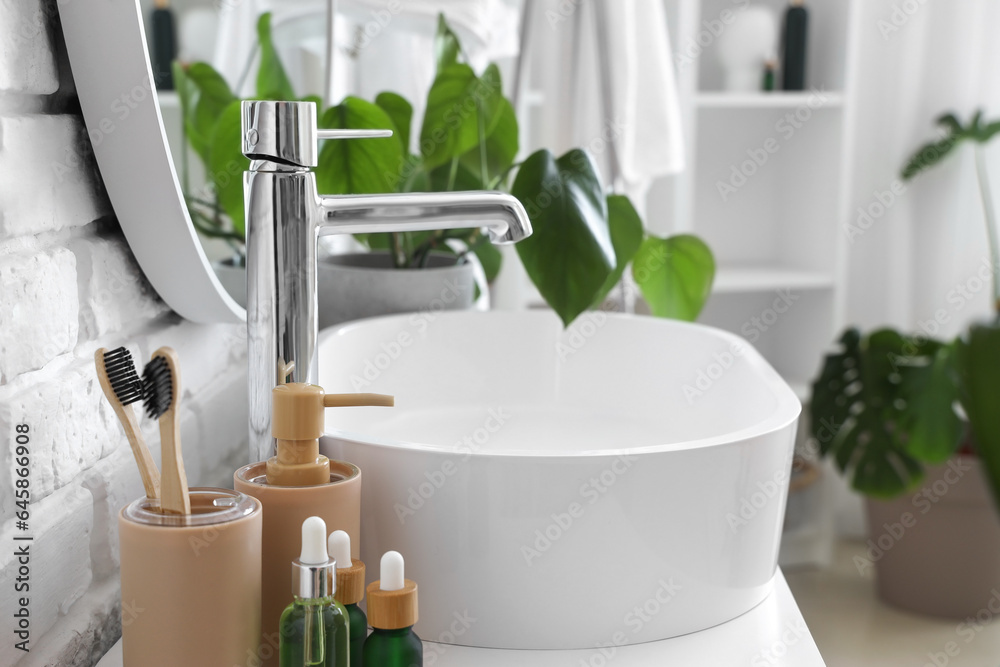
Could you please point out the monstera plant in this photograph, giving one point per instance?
(584, 237)
(887, 404)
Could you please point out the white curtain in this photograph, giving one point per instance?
(920, 59)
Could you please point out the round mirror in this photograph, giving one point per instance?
(163, 134)
(106, 42)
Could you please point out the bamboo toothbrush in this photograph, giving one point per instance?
(122, 386)
(161, 392)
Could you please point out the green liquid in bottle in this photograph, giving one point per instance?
(314, 632)
(394, 648)
(359, 631)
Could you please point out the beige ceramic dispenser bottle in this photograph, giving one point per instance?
(296, 483)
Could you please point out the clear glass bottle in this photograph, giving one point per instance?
(392, 611)
(314, 627)
(314, 632)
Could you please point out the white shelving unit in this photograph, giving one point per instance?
(776, 226)
(766, 185)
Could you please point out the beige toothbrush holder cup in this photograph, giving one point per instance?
(191, 584)
(285, 508)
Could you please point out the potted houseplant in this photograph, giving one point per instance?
(912, 422)
(584, 238)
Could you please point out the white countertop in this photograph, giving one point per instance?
(773, 634)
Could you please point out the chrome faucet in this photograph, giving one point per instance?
(285, 215)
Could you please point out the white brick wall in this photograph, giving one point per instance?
(68, 285)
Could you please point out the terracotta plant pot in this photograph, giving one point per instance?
(357, 285)
(937, 550)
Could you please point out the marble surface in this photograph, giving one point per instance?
(853, 628)
(772, 634)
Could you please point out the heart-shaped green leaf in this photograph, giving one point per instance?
(626, 236)
(400, 112)
(675, 275)
(460, 107)
(227, 163)
(569, 255)
(358, 166)
(979, 372)
(272, 81)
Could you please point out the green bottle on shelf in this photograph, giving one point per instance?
(314, 627)
(350, 590)
(392, 611)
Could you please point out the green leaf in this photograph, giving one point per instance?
(456, 104)
(400, 112)
(929, 155)
(884, 405)
(187, 93)
(465, 179)
(415, 177)
(626, 237)
(446, 45)
(501, 147)
(950, 122)
(976, 124)
(570, 255)
(989, 131)
(675, 275)
(272, 81)
(227, 163)
(210, 95)
(358, 166)
(934, 152)
(978, 361)
(930, 390)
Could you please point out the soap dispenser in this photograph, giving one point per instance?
(350, 590)
(296, 483)
(314, 627)
(392, 611)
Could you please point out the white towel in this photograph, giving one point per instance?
(645, 116)
(644, 89)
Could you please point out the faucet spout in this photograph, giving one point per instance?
(500, 213)
(285, 215)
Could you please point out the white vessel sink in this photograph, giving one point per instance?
(619, 482)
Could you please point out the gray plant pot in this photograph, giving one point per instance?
(358, 285)
(937, 550)
(233, 278)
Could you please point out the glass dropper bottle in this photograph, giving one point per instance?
(392, 611)
(313, 628)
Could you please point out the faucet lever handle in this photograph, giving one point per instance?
(285, 132)
(352, 134)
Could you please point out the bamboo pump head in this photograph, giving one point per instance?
(297, 424)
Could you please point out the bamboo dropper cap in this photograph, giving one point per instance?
(392, 600)
(297, 424)
(350, 571)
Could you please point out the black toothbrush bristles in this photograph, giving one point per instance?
(123, 376)
(157, 387)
